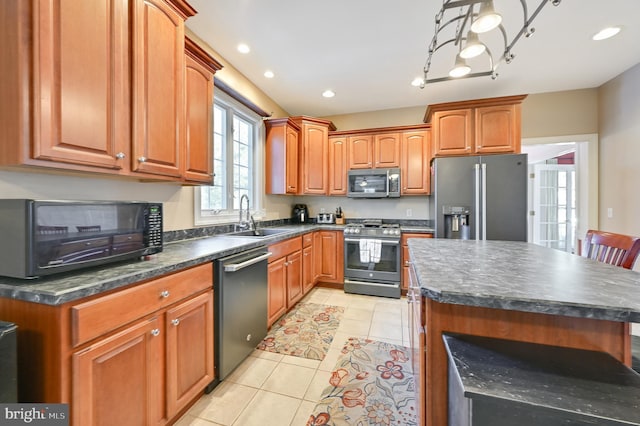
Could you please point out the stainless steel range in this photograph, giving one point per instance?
(372, 258)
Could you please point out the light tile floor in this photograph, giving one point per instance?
(280, 390)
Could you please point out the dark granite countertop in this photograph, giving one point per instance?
(559, 383)
(524, 277)
(176, 255)
(61, 288)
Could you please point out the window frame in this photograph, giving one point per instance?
(230, 215)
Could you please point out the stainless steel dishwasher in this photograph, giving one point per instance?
(240, 294)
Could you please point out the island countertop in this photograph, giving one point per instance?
(524, 277)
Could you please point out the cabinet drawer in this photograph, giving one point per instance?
(307, 239)
(99, 316)
(284, 248)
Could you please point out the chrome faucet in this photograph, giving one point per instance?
(244, 224)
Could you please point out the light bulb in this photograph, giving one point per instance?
(487, 18)
(460, 69)
(473, 47)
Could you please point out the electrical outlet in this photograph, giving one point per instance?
(610, 213)
(409, 212)
(322, 210)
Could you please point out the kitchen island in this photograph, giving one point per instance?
(521, 292)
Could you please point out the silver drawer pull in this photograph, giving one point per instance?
(120, 155)
(175, 321)
(155, 332)
(142, 159)
(164, 294)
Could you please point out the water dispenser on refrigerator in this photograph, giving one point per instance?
(456, 222)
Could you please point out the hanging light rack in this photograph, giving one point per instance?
(464, 21)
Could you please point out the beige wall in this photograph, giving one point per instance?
(619, 124)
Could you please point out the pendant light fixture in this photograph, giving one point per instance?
(458, 24)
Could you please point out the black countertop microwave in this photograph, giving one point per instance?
(42, 237)
(373, 183)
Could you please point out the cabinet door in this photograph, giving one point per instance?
(360, 151)
(317, 255)
(307, 269)
(417, 344)
(198, 146)
(415, 167)
(120, 380)
(453, 132)
(497, 129)
(277, 289)
(294, 278)
(338, 166)
(386, 150)
(189, 350)
(157, 92)
(80, 82)
(405, 257)
(292, 160)
(315, 169)
(332, 256)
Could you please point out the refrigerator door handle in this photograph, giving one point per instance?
(484, 201)
(476, 168)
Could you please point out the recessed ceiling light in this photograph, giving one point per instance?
(243, 48)
(417, 82)
(606, 33)
(328, 93)
(269, 74)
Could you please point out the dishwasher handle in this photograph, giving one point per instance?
(233, 267)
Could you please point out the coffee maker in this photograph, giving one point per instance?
(300, 214)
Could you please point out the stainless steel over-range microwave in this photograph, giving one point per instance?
(373, 183)
(42, 237)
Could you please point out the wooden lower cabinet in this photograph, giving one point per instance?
(329, 248)
(119, 380)
(308, 270)
(277, 290)
(404, 285)
(284, 273)
(137, 355)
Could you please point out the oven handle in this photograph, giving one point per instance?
(357, 240)
(233, 267)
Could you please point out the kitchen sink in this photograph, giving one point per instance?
(258, 233)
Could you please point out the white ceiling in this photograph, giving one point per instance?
(368, 51)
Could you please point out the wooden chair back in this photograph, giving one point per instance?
(614, 249)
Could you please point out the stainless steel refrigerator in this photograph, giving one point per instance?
(480, 197)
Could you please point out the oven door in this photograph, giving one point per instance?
(359, 265)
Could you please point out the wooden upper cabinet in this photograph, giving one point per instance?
(198, 109)
(75, 109)
(282, 156)
(497, 129)
(314, 134)
(386, 150)
(367, 151)
(481, 126)
(415, 166)
(158, 88)
(338, 166)
(453, 132)
(360, 148)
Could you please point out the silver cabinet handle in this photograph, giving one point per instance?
(175, 321)
(120, 155)
(155, 332)
(142, 159)
(164, 294)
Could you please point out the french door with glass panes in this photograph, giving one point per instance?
(554, 204)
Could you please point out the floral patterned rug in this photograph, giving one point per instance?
(371, 384)
(306, 331)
